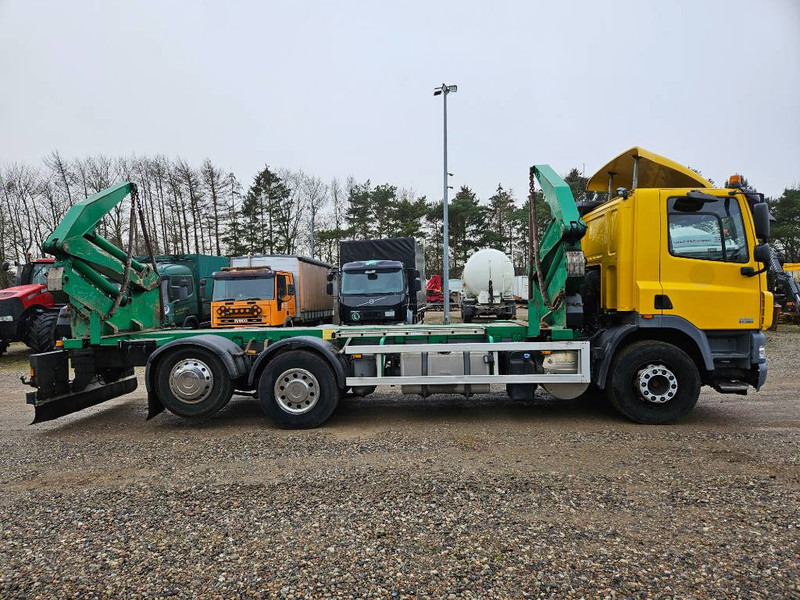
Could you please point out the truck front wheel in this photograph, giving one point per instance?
(193, 382)
(653, 383)
(298, 390)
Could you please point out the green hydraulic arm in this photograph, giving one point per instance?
(105, 297)
(557, 265)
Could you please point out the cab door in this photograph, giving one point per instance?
(281, 303)
(707, 240)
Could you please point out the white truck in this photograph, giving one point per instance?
(488, 286)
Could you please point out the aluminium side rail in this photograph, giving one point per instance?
(583, 374)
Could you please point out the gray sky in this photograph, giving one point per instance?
(345, 88)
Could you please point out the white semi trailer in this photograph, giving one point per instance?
(488, 286)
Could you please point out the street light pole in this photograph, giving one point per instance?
(444, 90)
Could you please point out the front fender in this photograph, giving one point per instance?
(606, 344)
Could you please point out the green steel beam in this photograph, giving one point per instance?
(562, 235)
(93, 271)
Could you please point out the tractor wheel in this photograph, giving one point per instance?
(41, 333)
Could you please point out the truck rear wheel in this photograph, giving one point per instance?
(653, 383)
(298, 390)
(192, 382)
(41, 331)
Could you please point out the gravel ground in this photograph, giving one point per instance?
(400, 497)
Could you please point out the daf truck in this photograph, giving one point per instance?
(653, 319)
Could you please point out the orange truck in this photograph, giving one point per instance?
(271, 291)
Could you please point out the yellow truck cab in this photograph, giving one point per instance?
(252, 297)
(669, 256)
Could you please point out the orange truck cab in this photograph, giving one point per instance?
(252, 297)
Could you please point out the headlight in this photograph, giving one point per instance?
(166, 309)
(762, 352)
(388, 313)
(7, 318)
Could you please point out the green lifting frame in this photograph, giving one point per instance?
(91, 270)
(560, 256)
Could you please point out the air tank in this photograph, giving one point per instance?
(485, 265)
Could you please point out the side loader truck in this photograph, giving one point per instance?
(656, 319)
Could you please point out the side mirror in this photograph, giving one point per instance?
(329, 288)
(417, 284)
(762, 253)
(290, 289)
(6, 266)
(331, 275)
(761, 222)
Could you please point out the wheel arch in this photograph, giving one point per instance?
(232, 356)
(191, 322)
(672, 330)
(322, 348)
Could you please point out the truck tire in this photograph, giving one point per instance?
(653, 383)
(192, 382)
(298, 390)
(41, 333)
(4, 343)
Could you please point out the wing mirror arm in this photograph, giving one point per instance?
(751, 272)
(761, 253)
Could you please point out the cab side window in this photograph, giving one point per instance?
(281, 287)
(711, 231)
(175, 285)
(39, 274)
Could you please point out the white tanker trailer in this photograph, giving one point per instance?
(488, 286)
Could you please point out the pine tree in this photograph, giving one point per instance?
(360, 215)
(258, 212)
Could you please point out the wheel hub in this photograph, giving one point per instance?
(296, 391)
(191, 381)
(657, 384)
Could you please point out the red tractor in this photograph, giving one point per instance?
(28, 311)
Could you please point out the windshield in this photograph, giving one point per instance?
(372, 282)
(244, 288)
(39, 273)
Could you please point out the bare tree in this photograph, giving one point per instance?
(214, 183)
